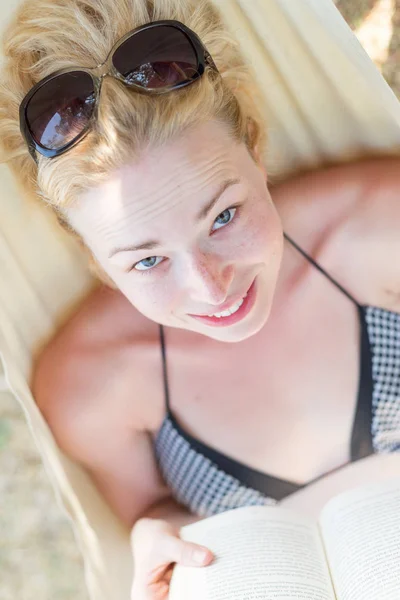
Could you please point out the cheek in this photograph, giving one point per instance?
(262, 234)
(149, 298)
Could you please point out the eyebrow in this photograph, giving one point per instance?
(201, 215)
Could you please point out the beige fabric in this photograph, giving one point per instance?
(324, 100)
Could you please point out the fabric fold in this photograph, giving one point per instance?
(324, 101)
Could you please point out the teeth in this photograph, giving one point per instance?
(229, 311)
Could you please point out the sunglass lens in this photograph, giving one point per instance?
(60, 109)
(157, 57)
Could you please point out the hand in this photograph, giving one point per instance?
(156, 547)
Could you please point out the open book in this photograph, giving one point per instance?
(270, 553)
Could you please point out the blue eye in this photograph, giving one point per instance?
(221, 221)
(224, 218)
(148, 263)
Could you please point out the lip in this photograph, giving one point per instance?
(240, 314)
(226, 305)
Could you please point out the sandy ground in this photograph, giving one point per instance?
(39, 558)
(377, 25)
(38, 555)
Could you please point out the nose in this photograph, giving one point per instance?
(208, 278)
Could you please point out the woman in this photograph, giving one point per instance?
(245, 341)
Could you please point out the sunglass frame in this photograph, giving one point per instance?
(98, 73)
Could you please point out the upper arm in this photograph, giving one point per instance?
(85, 413)
(376, 229)
(122, 466)
(362, 200)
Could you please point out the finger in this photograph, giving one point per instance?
(161, 574)
(158, 573)
(159, 581)
(185, 553)
(156, 591)
(150, 583)
(168, 575)
(162, 591)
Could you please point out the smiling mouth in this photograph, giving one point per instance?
(229, 311)
(236, 312)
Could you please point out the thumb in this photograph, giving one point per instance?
(186, 553)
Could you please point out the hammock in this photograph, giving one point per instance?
(324, 101)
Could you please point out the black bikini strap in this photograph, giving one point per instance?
(312, 261)
(316, 265)
(165, 370)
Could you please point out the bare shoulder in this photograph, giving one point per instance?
(96, 364)
(93, 387)
(353, 182)
(356, 207)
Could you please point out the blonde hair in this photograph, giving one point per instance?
(47, 35)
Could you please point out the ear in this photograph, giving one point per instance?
(253, 144)
(258, 159)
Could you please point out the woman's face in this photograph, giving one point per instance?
(186, 232)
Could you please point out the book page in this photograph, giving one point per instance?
(361, 530)
(261, 553)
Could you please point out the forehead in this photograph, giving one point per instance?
(179, 176)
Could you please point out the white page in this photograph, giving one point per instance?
(261, 553)
(361, 530)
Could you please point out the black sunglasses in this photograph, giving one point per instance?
(154, 59)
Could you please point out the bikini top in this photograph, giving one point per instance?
(207, 481)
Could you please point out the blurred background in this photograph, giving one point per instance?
(39, 558)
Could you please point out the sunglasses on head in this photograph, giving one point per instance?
(152, 59)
